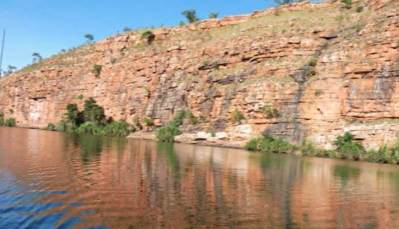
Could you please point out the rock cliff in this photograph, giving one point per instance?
(301, 71)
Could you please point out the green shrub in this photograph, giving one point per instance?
(137, 123)
(148, 121)
(237, 116)
(73, 115)
(51, 127)
(193, 119)
(10, 122)
(271, 112)
(191, 16)
(117, 128)
(318, 92)
(270, 144)
(148, 36)
(253, 144)
(167, 133)
(359, 9)
(1, 119)
(213, 15)
(179, 118)
(90, 128)
(348, 148)
(97, 70)
(348, 3)
(93, 112)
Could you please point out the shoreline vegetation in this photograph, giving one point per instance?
(92, 120)
(345, 148)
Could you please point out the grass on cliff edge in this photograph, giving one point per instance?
(346, 148)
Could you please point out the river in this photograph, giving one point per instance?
(55, 180)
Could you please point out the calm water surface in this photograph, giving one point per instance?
(52, 180)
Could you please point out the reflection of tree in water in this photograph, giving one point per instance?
(346, 172)
(90, 147)
(168, 150)
(281, 172)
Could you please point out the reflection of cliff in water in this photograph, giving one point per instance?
(119, 183)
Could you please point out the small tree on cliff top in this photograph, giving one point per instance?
(282, 2)
(148, 36)
(191, 16)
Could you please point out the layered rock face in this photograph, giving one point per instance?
(301, 72)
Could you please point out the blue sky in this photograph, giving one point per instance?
(47, 26)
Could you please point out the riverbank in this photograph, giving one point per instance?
(346, 148)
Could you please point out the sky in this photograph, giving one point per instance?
(47, 26)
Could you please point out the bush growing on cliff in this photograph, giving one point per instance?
(93, 112)
(167, 133)
(237, 116)
(51, 127)
(92, 120)
(1, 119)
(271, 112)
(269, 144)
(10, 122)
(97, 70)
(148, 122)
(348, 3)
(348, 148)
(148, 36)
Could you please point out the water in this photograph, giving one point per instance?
(52, 180)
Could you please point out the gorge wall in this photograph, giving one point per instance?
(324, 68)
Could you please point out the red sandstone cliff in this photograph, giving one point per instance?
(326, 69)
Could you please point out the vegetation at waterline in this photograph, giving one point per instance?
(10, 122)
(346, 148)
(168, 132)
(91, 120)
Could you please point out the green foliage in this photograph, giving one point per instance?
(10, 122)
(269, 144)
(93, 112)
(137, 123)
(97, 70)
(312, 62)
(309, 149)
(348, 3)
(348, 148)
(117, 128)
(237, 116)
(191, 16)
(359, 9)
(148, 121)
(213, 15)
(271, 112)
(51, 127)
(73, 115)
(148, 36)
(179, 118)
(91, 120)
(283, 2)
(90, 128)
(167, 133)
(1, 119)
(193, 119)
(318, 92)
(89, 38)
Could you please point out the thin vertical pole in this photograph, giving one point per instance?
(2, 52)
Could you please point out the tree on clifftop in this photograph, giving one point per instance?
(191, 15)
(89, 38)
(36, 57)
(282, 2)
